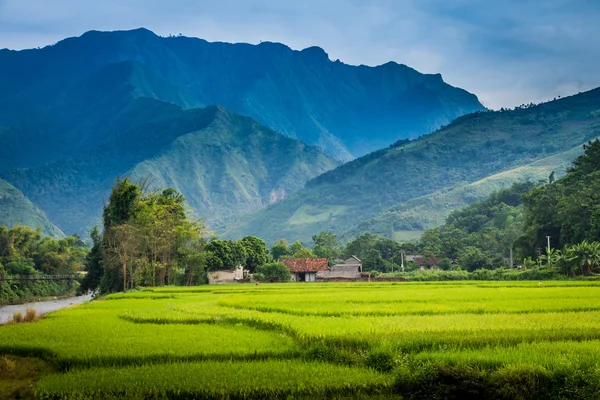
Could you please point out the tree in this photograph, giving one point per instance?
(584, 257)
(326, 245)
(93, 263)
(256, 251)
(297, 250)
(472, 258)
(275, 272)
(123, 244)
(280, 249)
(226, 254)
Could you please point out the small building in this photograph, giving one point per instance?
(349, 269)
(305, 269)
(422, 261)
(226, 276)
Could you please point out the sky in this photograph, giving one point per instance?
(507, 52)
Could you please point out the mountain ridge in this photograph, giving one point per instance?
(346, 110)
(142, 134)
(471, 148)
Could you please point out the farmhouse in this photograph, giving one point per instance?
(226, 276)
(422, 261)
(305, 269)
(349, 269)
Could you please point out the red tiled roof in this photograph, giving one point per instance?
(305, 264)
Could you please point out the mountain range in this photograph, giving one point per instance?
(261, 139)
(76, 115)
(387, 191)
(346, 110)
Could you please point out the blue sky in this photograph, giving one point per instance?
(508, 52)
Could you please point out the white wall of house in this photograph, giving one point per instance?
(226, 276)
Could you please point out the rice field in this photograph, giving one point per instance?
(491, 340)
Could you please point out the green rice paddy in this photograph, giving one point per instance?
(412, 340)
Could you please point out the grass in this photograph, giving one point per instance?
(352, 339)
(215, 380)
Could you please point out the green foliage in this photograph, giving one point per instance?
(473, 258)
(147, 239)
(326, 245)
(297, 250)
(226, 254)
(376, 253)
(280, 249)
(567, 210)
(480, 235)
(16, 209)
(24, 251)
(275, 272)
(256, 251)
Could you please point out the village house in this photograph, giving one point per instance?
(349, 269)
(305, 269)
(422, 262)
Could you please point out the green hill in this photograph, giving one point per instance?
(346, 110)
(470, 149)
(16, 209)
(225, 164)
(406, 222)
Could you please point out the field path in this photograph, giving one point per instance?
(42, 307)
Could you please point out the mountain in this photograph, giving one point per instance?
(346, 110)
(406, 222)
(471, 148)
(16, 209)
(224, 163)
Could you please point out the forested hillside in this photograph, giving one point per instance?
(346, 110)
(567, 210)
(225, 164)
(472, 148)
(17, 209)
(406, 222)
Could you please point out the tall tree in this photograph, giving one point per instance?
(326, 245)
(256, 251)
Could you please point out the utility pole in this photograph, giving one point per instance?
(548, 237)
(402, 259)
(511, 258)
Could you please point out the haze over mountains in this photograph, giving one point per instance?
(346, 110)
(76, 115)
(238, 127)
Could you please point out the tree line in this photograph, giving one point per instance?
(523, 217)
(25, 251)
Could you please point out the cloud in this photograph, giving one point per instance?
(507, 52)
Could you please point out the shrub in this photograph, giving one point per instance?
(275, 272)
(7, 367)
(31, 315)
(17, 317)
(381, 361)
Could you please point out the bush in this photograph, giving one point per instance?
(31, 315)
(381, 361)
(7, 368)
(275, 272)
(17, 317)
